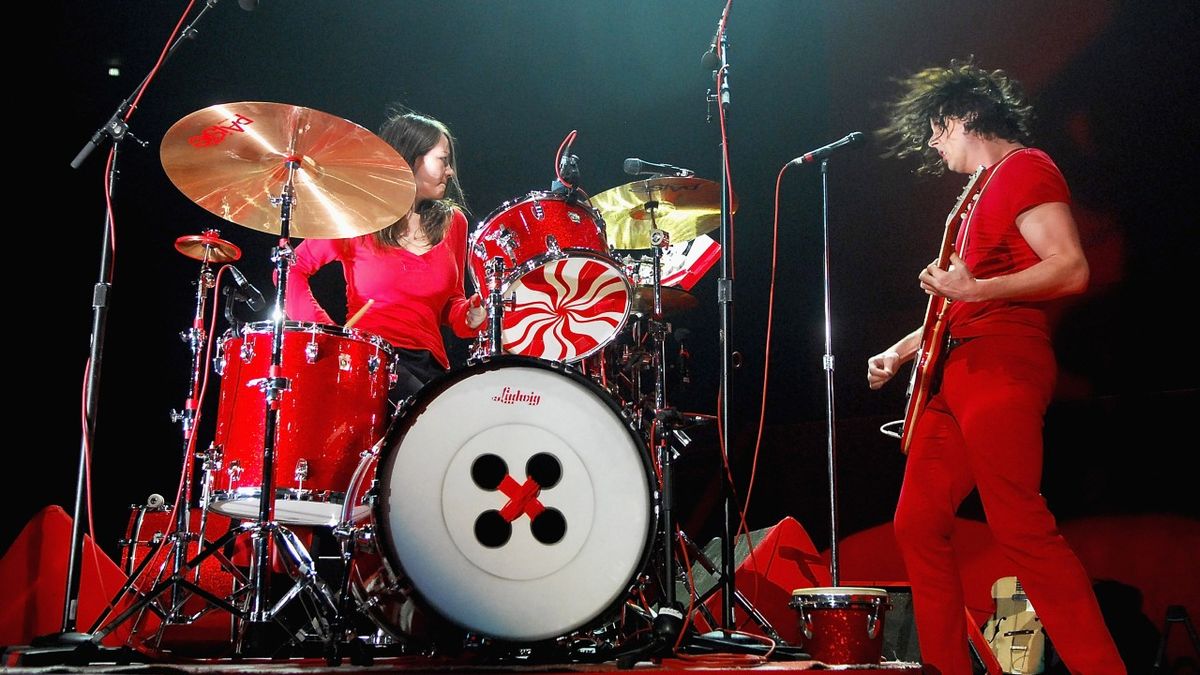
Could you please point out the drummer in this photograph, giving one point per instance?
(412, 270)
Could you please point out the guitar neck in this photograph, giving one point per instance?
(933, 327)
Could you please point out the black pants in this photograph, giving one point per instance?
(414, 367)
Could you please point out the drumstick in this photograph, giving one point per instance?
(359, 314)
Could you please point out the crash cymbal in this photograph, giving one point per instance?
(686, 209)
(208, 247)
(232, 160)
(674, 300)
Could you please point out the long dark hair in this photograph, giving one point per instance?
(413, 135)
(990, 104)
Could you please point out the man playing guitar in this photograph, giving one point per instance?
(1015, 248)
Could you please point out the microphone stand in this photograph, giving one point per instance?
(70, 645)
(724, 299)
(827, 365)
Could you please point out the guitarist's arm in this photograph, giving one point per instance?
(882, 367)
(1050, 231)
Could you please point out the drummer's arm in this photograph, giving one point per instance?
(311, 255)
(464, 315)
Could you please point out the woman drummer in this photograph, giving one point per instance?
(411, 270)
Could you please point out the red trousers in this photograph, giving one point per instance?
(983, 430)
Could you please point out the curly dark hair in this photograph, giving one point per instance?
(990, 104)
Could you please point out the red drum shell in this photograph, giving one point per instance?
(335, 409)
(842, 625)
(570, 297)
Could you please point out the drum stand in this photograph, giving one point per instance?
(253, 612)
(495, 306)
(265, 530)
(697, 554)
(179, 538)
(668, 421)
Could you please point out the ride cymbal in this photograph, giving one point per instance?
(232, 159)
(685, 208)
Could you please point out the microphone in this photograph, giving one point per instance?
(852, 138)
(636, 167)
(248, 5)
(710, 60)
(254, 299)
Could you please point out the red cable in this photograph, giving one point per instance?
(108, 212)
(558, 155)
(762, 411)
(161, 57)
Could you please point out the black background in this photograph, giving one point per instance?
(1113, 82)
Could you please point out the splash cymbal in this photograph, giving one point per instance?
(685, 208)
(674, 300)
(208, 247)
(232, 159)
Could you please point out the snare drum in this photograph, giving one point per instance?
(512, 496)
(842, 625)
(336, 408)
(570, 297)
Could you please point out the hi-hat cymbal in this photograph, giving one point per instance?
(685, 208)
(232, 159)
(208, 247)
(674, 300)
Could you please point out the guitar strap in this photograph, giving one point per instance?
(961, 244)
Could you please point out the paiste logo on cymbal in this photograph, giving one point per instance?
(217, 133)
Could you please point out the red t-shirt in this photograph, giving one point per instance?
(992, 245)
(414, 294)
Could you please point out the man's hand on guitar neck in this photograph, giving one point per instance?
(954, 283)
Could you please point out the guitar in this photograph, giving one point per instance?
(1015, 631)
(933, 329)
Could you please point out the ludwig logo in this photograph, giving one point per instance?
(509, 397)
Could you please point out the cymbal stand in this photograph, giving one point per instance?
(196, 338)
(669, 621)
(254, 612)
(179, 538)
(265, 529)
(697, 554)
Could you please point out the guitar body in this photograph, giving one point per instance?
(1015, 632)
(933, 328)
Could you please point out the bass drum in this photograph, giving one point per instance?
(511, 498)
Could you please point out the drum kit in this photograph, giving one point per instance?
(520, 502)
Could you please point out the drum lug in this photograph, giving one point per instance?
(364, 536)
(538, 211)
(235, 473)
(508, 240)
(247, 351)
(311, 351)
(873, 623)
(552, 246)
(211, 460)
(373, 363)
(301, 472)
(219, 359)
